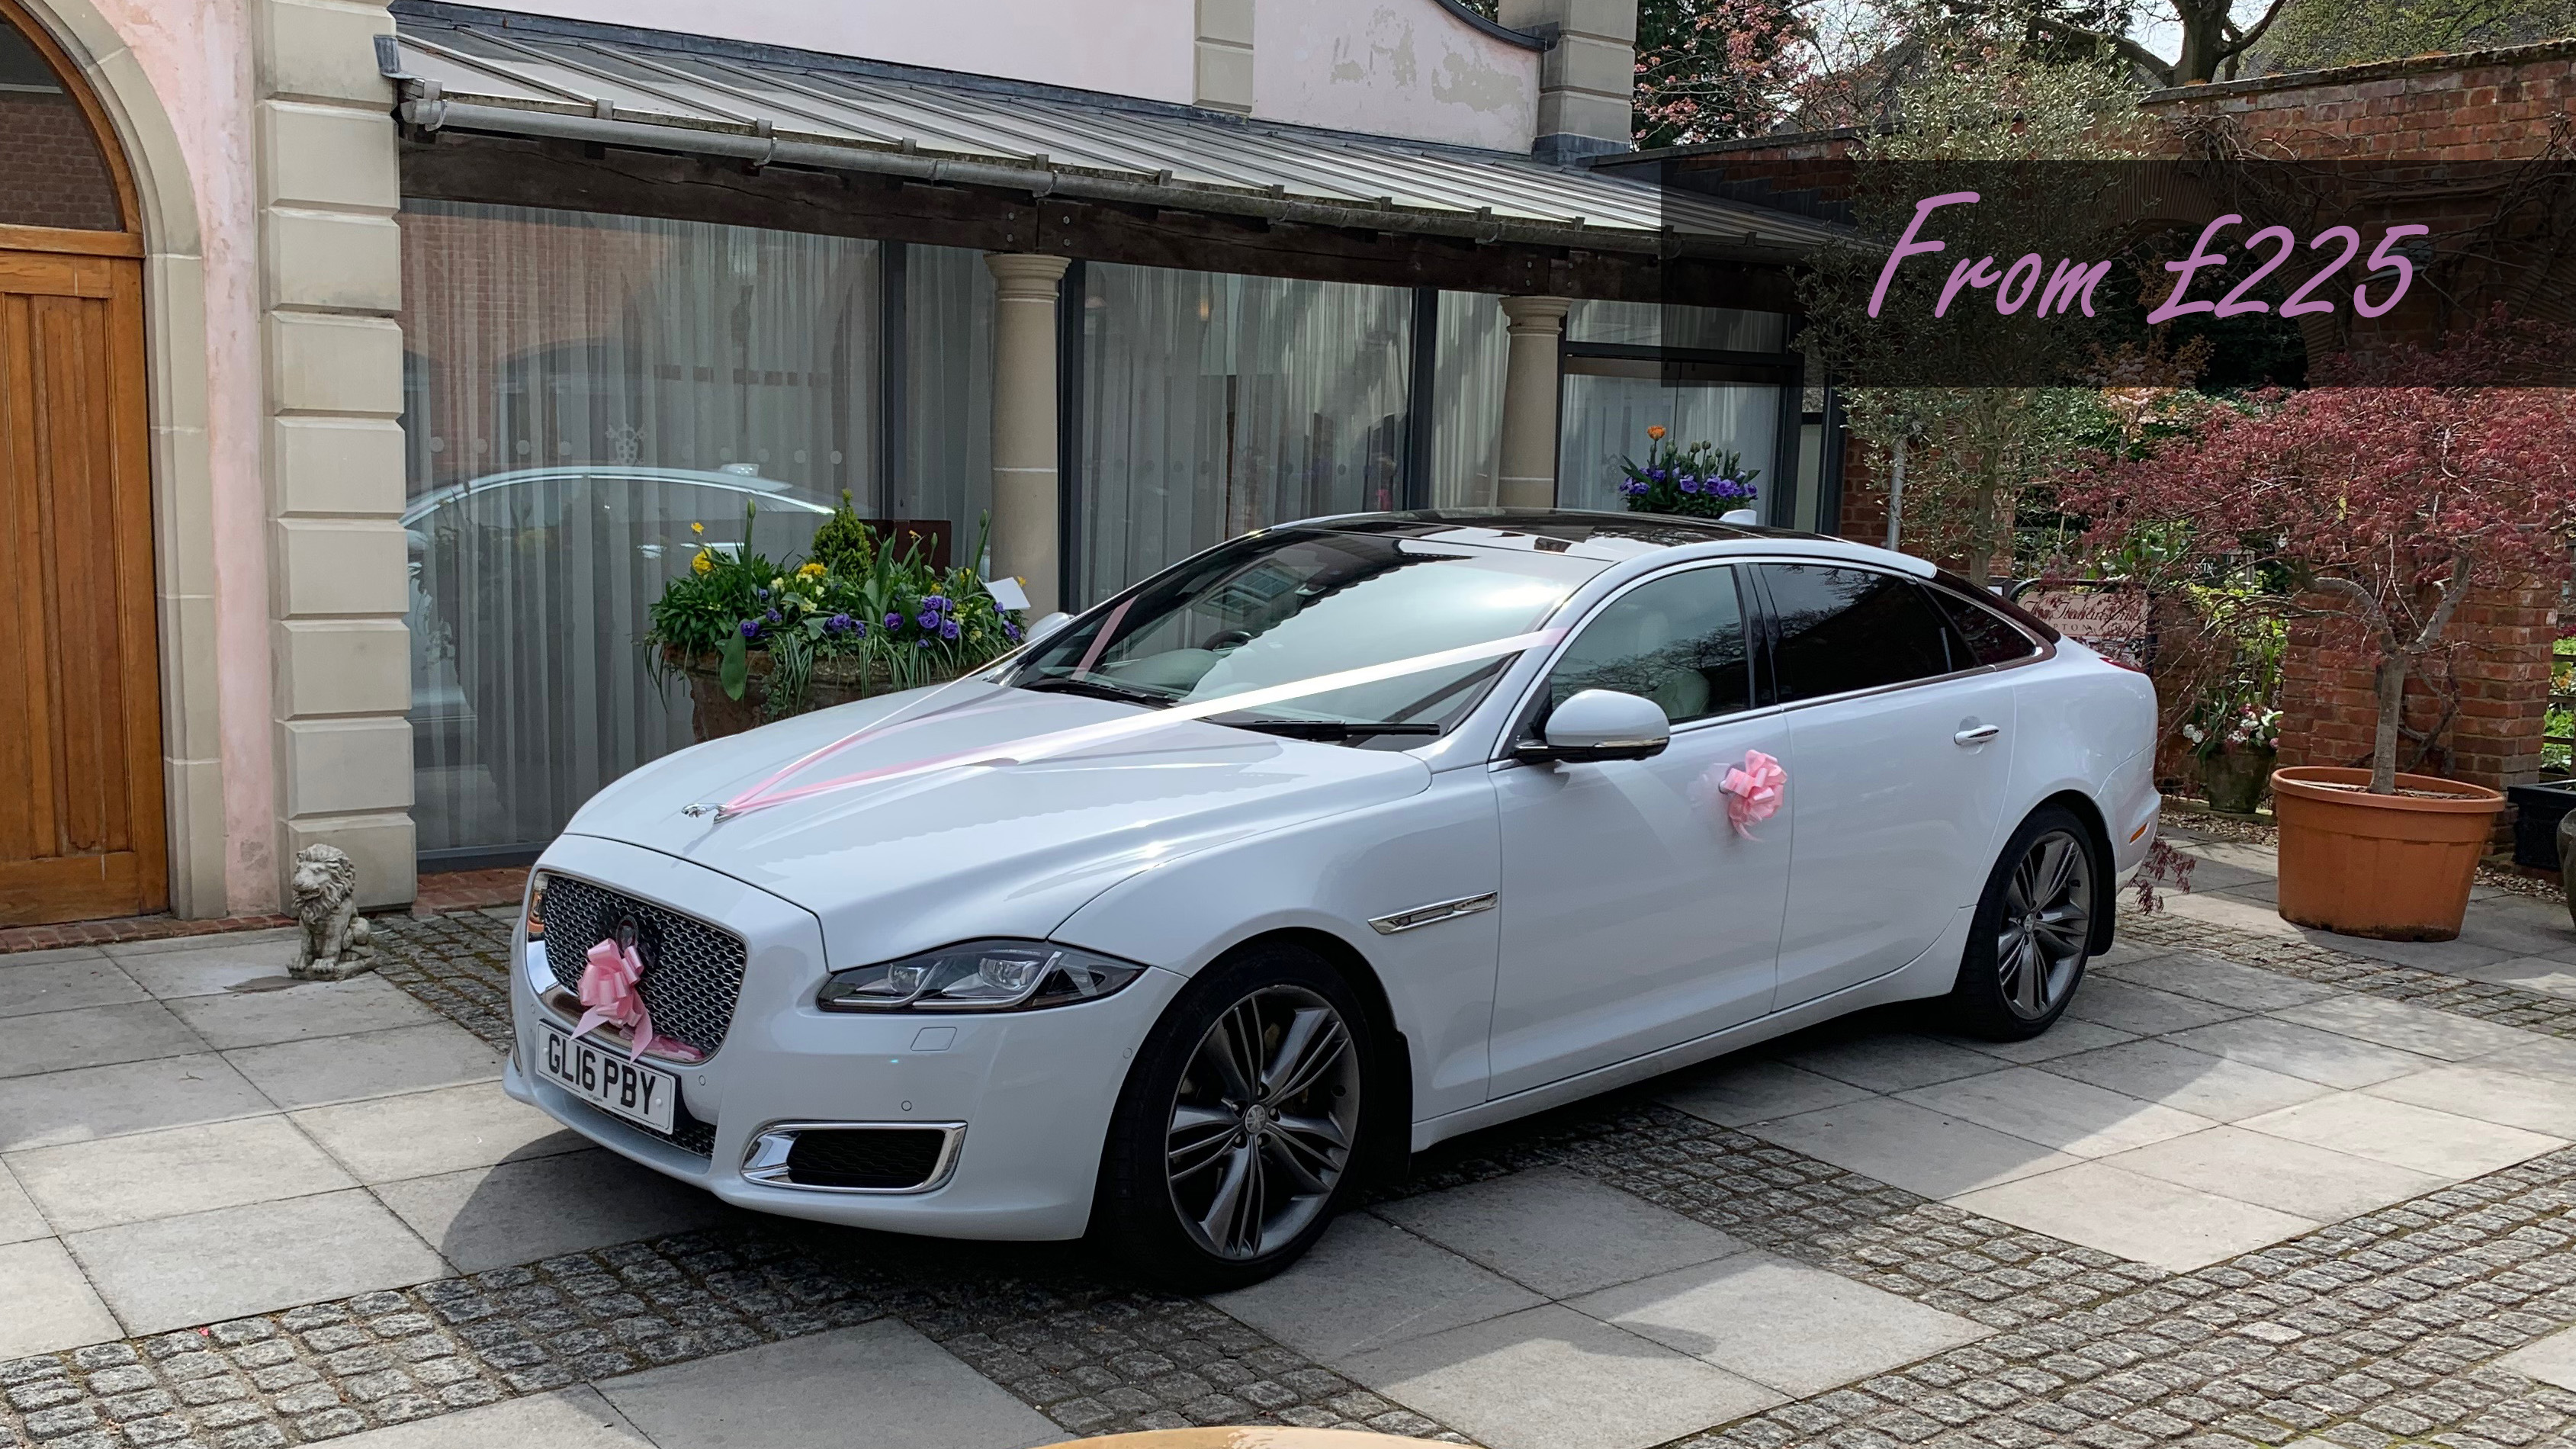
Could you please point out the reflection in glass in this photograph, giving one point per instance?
(1215, 404)
(51, 171)
(1678, 641)
(1609, 404)
(1652, 324)
(580, 390)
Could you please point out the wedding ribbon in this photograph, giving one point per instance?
(774, 790)
(1752, 790)
(608, 988)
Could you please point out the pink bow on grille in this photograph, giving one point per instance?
(608, 988)
(1752, 791)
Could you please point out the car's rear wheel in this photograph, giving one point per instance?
(2033, 929)
(1239, 1130)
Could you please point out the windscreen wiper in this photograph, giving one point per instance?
(1326, 729)
(1098, 688)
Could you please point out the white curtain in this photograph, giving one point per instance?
(579, 389)
(1467, 400)
(1214, 404)
(1652, 324)
(948, 440)
(1610, 404)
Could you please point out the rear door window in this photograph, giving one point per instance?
(1845, 629)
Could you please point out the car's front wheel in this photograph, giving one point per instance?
(1239, 1129)
(2033, 929)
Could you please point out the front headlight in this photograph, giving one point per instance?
(537, 906)
(978, 976)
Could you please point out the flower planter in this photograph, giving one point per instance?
(2233, 779)
(2390, 867)
(713, 715)
(2537, 810)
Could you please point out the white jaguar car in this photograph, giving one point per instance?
(1334, 841)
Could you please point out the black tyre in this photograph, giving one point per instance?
(1240, 1130)
(2033, 929)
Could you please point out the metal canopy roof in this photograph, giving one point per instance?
(799, 110)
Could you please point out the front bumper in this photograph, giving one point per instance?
(1035, 1089)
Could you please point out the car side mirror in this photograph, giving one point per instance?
(1602, 724)
(1045, 626)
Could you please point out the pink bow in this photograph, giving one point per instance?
(1752, 791)
(608, 988)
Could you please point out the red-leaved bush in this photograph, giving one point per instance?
(2394, 487)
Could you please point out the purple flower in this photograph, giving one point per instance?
(751, 628)
(948, 630)
(760, 593)
(1659, 474)
(839, 624)
(934, 604)
(894, 620)
(773, 616)
(1010, 631)
(920, 643)
(1633, 488)
(1689, 484)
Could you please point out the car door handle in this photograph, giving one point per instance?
(1969, 739)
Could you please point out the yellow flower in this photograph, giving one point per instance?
(810, 571)
(704, 563)
(697, 528)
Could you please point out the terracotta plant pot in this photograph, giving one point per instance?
(2234, 779)
(2390, 867)
(713, 715)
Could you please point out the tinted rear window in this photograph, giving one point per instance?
(1846, 629)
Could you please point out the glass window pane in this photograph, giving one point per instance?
(948, 392)
(51, 172)
(1215, 404)
(1652, 324)
(579, 390)
(1678, 641)
(1989, 639)
(1609, 404)
(1467, 401)
(1847, 629)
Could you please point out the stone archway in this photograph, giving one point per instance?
(135, 130)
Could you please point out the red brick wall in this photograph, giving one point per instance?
(2491, 105)
(51, 173)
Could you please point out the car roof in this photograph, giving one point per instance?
(1611, 536)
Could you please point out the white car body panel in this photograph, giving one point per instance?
(1172, 846)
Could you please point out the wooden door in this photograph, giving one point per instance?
(81, 832)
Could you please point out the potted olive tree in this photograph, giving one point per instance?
(2387, 495)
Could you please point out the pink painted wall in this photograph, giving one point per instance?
(197, 59)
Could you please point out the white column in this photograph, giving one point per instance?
(1024, 422)
(1527, 474)
(331, 285)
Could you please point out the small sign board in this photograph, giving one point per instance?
(2116, 623)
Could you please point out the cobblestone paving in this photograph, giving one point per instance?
(2508, 1005)
(458, 964)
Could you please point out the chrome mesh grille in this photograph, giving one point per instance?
(692, 971)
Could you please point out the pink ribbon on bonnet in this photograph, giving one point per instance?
(608, 988)
(1752, 791)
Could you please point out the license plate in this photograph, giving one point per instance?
(608, 1081)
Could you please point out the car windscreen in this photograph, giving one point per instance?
(1274, 609)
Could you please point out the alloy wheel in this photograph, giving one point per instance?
(2046, 926)
(1263, 1123)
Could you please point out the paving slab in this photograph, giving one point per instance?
(1784, 1324)
(2521, 926)
(50, 1303)
(2066, 1038)
(179, 1170)
(2531, 1101)
(1913, 1147)
(97, 1102)
(880, 1383)
(1367, 1285)
(2407, 1027)
(2552, 1359)
(2187, 1080)
(2292, 1177)
(314, 1009)
(574, 1418)
(2136, 1216)
(2143, 1010)
(1558, 1232)
(1735, 1091)
(518, 1212)
(2223, 982)
(125, 950)
(370, 1064)
(178, 1272)
(1552, 1378)
(19, 1220)
(2531, 973)
(2056, 1112)
(63, 985)
(2440, 1143)
(211, 967)
(450, 1129)
(2444, 956)
(2303, 1051)
(1889, 1061)
(95, 1036)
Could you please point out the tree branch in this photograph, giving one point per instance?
(2245, 40)
(2136, 54)
(2456, 589)
(2369, 612)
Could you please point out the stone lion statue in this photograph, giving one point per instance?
(338, 943)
